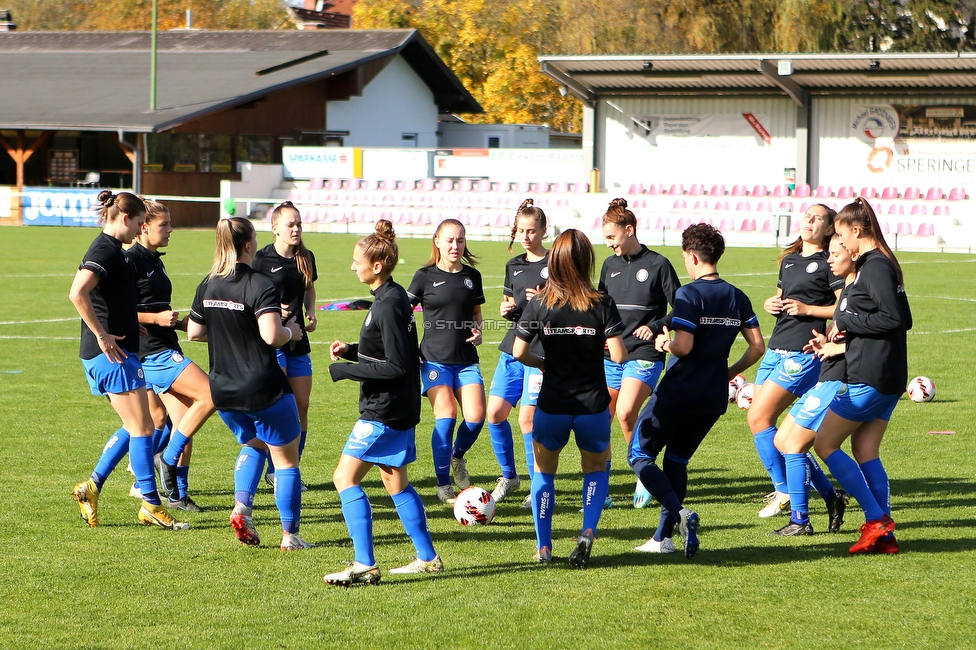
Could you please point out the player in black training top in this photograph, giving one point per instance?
(574, 323)
(237, 311)
(804, 300)
(104, 293)
(514, 383)
(388, 369)
(642, 283)
(291, 267)
(451, 295)
(799, 428)
(873, 321)
(708, 315)
(175, 384)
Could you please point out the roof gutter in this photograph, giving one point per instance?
(582, 93)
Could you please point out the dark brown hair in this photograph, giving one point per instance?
(381, 246)
(302, 257)
(619, 215)
(704, 241)
(797, 246)
(528, 209)
(435, 253)
(112, 205)
(860, 214)
(571, 263)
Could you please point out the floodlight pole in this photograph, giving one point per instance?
(152, 59)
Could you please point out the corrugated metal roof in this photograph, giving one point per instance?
(100, 80)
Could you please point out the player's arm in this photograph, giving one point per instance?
(274, 333)
(310, 316)
(526, 330)
(617, 349)
(893, 312)
(80, 296)
(166, 318)
(754, 352)
(679, 346)
(476, 336)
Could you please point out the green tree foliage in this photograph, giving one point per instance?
(904, 26)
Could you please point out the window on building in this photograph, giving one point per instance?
(255, 149)
(188, 152)
(494, 141)
(408, 139)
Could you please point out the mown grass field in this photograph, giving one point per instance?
(121, 585)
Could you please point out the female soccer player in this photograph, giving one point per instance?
(643, 284)
(804, 299)
(574, 323)
(237, 311)
(799, 428)
(512, 382)
(451, 295)
(708, 315)
(291, 267)
(180, 384)
(873, 322)
(104, 293)
(389, 405)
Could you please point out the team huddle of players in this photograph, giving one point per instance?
(573, 356)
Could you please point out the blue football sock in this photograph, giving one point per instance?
(440, 445)
(771, 458)
(543, 505)
(665, 526)
(140, 453)
(247, 474)
(595, 488)
(288, 498)
(849, 475)
(175, 446)
(114, 450)
(467, 433)
(504, 447)
(798, 477)
(411, 511)
(182, 482)
(529, 454)
(877, 479)
(359, 521)
(819, 480)
(301, 444)
(161, 437)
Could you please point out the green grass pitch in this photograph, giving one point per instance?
(122, 585)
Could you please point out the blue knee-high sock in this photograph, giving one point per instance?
(877, 479)
(440, 445)
(771, 458)
(411, 511)
(504, 447)
(849, 475)
(247, 474)
(798, 478)
(529, 454)
(359, 521)
(140, 453)
(819, 480)
(467, 433)
(657, 483)
(114, 450)
(161, 436)
(595, 488)
(182, 482)
(665, 526)
(288, 498)
(543, 506)
(301, 443)
(177, 443)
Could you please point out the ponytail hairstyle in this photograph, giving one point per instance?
(435, 253)
(571, 263)
(155, 210)
(860, 214)
(381, 246)
(619, 215)
(302, 257)
(528, 209)
(232, 236)
(112, 205)
(829, 215)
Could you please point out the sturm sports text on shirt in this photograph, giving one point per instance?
(448, 300)
(807, 280)
(285, 274)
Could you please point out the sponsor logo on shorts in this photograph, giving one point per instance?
(362, 430)
(224, 304)
(792, 367)
(812, 403)
(468, 283)
(177, 357)
(644, 364)
(642, 275)
(812, 267)
(842, 390)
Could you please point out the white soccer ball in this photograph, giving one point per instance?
(735, 384)
(743, 396)
(921, 389)
(474, 507)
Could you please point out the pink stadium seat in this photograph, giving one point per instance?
(748, 225)
(705, 220)
(696, 190)
(388, 186)
(561, 187)
(760, 190)
(642, 223)
(352, 184)
(676, 189)
(334, 184)
(581, 188)
(934, 194)
(721, 206)
(767, 226)
(464, 185)
(896, 208)
(422, 219)
(911, 193)
(957, 194)
(867, 192)
(802, 190)
(919, 210)
(727, 225)
(680, 205)
(562, 202)
(371, 185)
(655, 189)
(500, 220)
(426, 185)
(407, 186)
(780, 191)
(941, 211)
(522, 187)
(597, 223)
(794, 226)
(786, 205)
(662, 223)
(878, 208)
(484, 185)
(925, 230)
(764, 206)
(904, 228)
(445, 185)
(701, 206)
(311, 215)
(739, 190)
(743, 206)
(682, 224)
(717, 190)
(403, 219)
(639, 203)
(463, 217)
(541, 187)
(316, 184)
(889, 193)
(823, 192)
(846, 192)
(635, 188)
(503, 186)
(885, 227)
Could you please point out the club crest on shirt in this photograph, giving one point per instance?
(369, 319)
(642, 275)
(843, 304)
(468, 283)
(544, 273)
(812, 267)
